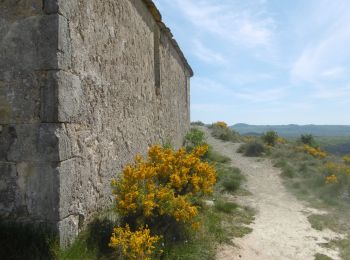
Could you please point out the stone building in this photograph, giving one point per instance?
(84, 86)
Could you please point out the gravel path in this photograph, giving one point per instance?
(281, 229)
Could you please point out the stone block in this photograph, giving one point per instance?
(49, 96)
(50, 6)
(29, 191)
(29, 44)
(19, 97)
(21, 8)
(37, 190)
(70, 98)
(62, 98)
(64, 45)
(34, 142)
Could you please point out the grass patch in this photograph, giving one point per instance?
(322, 257)
(226, 207)
(318, 222)
(92, 243)
(288, 171)
(216, 157)
(231, 183)
(344, 247)
(217, 227)
(229, 178)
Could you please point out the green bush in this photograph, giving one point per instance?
(270, 138)
(200, 123)
(229, 178)
(288, 172)
(241, 148)
(194, 138)
(224, 133)
(308, 140)
(231, 183)
(253, 149)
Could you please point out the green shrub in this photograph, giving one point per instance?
(194, 138)
(288, 172)
(199, 123)
(253, 149)
(308, 140)
(270, 138)
(232, 179)
(281, 163)
(218, 130)
(241, 148)
(231, 184)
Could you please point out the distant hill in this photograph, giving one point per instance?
(294, 130)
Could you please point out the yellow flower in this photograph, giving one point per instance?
(221, 124)
(195, 225)
(134, 245)
(163, 184)
(331, 179)
(281, 140)
(315, 152)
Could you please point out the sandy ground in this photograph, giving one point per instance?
(281, 229)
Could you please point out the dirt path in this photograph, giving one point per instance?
(281, 229)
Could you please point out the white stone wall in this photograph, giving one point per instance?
(91, 104)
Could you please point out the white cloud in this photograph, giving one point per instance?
(230, 21)
(207, 55)
(324, 63)
(334, 73)
(327, 55)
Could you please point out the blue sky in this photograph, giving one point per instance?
(265, 61)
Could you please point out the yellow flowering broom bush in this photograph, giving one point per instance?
(346, 159)
(135, 245)
(158, 192)
(337, 173)
(221, 124)
(221, 131)
(331, 179)
(281, 140)
(314, 151)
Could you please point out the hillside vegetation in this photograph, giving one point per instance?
(337, 145)
(294, 130)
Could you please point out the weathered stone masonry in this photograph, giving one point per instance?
(84, 86)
